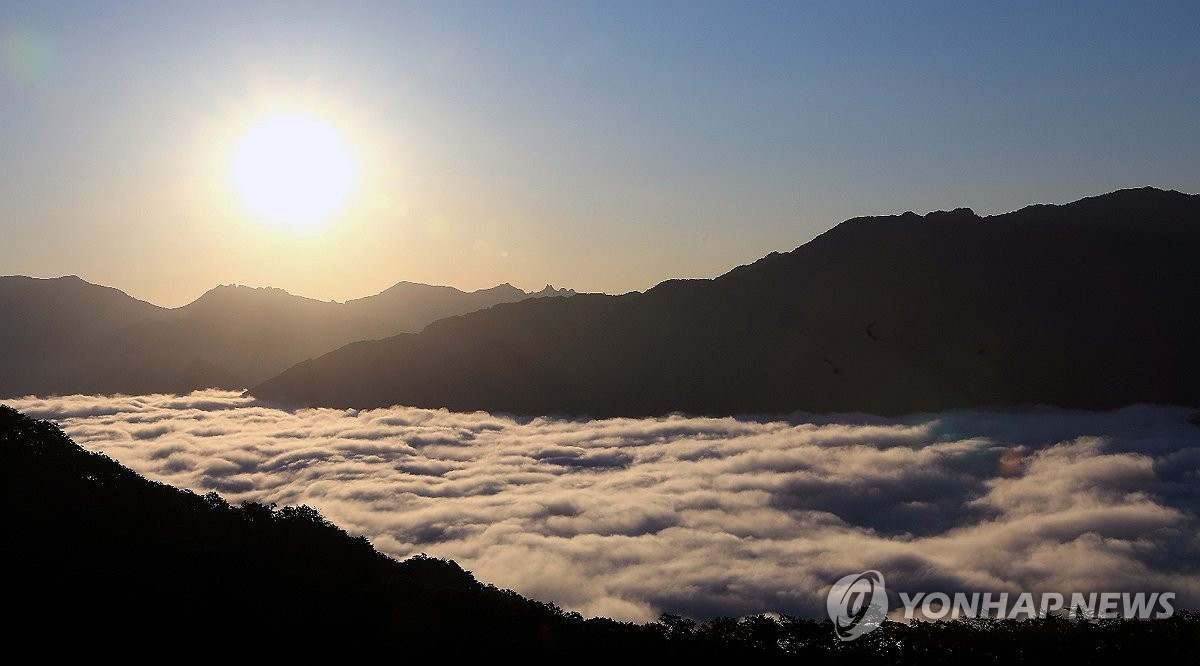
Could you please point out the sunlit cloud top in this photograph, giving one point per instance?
(630, 518)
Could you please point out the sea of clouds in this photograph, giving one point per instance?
(630, 518)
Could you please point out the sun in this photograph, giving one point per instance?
(294, 170)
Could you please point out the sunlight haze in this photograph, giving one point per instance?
(597, 146)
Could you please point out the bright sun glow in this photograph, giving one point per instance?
(294, 170)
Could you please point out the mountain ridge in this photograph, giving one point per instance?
(67, 335)
(885, 314)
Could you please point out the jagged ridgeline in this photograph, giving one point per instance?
(64, 335)
(102, 561)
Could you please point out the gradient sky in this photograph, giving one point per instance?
(600, 146)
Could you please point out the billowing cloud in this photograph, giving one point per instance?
(629, 518)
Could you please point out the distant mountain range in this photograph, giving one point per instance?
(65, 335)
(1092, 304)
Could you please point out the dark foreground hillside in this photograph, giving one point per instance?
(102, 561)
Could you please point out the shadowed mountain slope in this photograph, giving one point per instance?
(65, 335)
(1093, 304)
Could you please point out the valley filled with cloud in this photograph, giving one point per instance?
(630, 518)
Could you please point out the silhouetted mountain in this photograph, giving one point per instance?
(66, 335)
(411, 306)
(103, 563)
(1091, 304)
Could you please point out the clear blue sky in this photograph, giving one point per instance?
(602, 146)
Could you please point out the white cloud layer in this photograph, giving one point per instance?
(628, 518)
